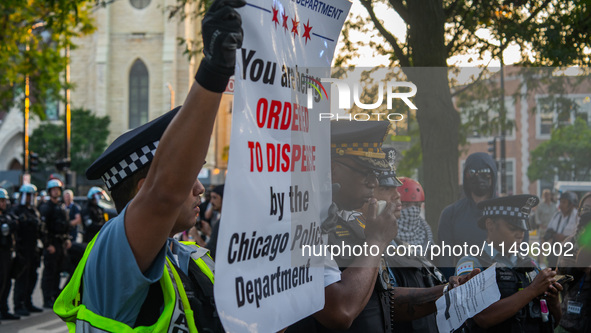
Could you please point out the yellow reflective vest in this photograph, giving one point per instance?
(177, 315)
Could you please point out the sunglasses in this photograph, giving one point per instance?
(482, 172)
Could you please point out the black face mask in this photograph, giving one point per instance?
(479, 181)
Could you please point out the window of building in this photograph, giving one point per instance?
(51, 108)
(509, 176)
(560, 111)
(138, 94)
(140, 4)
(480, 114)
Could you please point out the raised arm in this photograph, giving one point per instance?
(151, 216)
(414, 303)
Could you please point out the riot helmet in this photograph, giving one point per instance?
(28, 191)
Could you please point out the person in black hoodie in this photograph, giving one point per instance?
(457, 223)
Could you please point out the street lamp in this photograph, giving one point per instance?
(27, 105)
(171, 94)
(503, 13)
(67, 122)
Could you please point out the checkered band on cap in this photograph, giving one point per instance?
(367, 149)
(129, 165)
(359, 146)
(505, 211)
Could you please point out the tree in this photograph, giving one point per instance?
(35, 34)
(88, 140)
(567, 153)
(440, 29)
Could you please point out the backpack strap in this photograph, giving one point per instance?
(199, 290)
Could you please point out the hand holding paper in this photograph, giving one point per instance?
(465, 301)
(455, 281)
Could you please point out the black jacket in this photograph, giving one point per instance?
(458, 221)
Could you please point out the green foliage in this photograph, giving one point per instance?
(558, 31)
(189, 9)
(413, 158)
(88, 140)
(567, 153)
(35, 34)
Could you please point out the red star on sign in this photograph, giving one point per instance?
(275, 18)
(294, 28)
(285, 17)
(307, 29)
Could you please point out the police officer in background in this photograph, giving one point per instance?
(529, 296)
(27, 234)
(41, 199)
(356, 300)
(93, 216)
(7, 229)
(406, 270)
(56, 241)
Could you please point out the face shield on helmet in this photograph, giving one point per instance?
(53, 183)
(28, 194)
(96, 193)
(3, 199)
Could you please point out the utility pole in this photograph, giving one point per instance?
(67, 122)
(503, 120)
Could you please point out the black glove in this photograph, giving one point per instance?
(222, 36)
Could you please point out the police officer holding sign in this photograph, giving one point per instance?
(529, 296)
(151, 172)
(27, 251)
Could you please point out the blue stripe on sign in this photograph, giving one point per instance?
(257, 7)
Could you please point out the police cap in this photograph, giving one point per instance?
(130, 152)
(361, 140)
(389, 178)
(514, 209)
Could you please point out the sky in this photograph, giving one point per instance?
(395, 24)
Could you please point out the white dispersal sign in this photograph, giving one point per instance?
(467, 300)
(278, 186)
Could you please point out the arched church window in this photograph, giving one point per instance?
(139, 94)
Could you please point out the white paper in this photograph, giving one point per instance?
(467, 300)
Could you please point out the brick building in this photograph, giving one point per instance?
(535, 109)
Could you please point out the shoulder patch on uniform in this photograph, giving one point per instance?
(465, 267)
